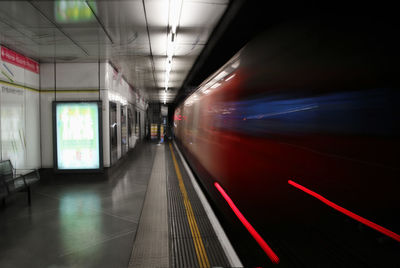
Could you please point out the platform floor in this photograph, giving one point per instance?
(143, 212)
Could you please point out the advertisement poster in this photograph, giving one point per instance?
(12, 122)
(154, 131)
(77, 131)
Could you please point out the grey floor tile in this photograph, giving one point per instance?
(77, 222)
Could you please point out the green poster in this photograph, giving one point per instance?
(77, 129)
(73, 11)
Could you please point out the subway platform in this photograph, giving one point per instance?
(145, 211)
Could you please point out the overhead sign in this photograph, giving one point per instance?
(164, 110)
(67, 11)
(77, 134)
(19, 60)
(13, 66)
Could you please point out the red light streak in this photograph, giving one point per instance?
(273, 257)
(179, 117)
(347, 212)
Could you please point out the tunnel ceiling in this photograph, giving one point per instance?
(133, 35)
(244, 20)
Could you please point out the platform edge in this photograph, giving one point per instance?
(219, 231)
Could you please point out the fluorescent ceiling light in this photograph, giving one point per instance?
(205, 88)
(216, 85)
(168, 65)
(174, 14)
(230, 77)
(235, 64)
(171, 45)
(220, 76)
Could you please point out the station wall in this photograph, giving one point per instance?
(28, 89)
(19, 113)
(65, 82)
(80, 82)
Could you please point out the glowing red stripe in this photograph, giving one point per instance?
(274, 258)
(347, 212)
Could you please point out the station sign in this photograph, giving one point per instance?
(10, 56)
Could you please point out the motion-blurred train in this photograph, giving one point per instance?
(300, 130)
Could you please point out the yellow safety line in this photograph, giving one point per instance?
(20, 86)
(50, 90)
(69, 91)
(198, 242)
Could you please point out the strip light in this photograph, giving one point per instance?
(175, 9)
(270, 253)
(352, 215)
(115, 97)
(174, 14)
(230, 77)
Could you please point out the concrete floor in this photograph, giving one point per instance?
(78, 221)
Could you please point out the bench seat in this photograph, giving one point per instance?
(15, 180)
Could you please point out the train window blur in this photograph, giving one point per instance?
(342, 112)
(314, 105)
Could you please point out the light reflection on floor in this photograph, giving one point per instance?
(80, 221)
(77, 220)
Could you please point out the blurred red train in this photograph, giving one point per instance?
(316, 105)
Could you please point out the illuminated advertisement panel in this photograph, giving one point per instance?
(78, 134)
(153, 131)
(72, 11)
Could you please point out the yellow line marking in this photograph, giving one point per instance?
(50, 90)
(198, 242)
(16, 85)
(70, 91)
(9, 78)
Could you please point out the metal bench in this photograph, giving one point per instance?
(16, 180)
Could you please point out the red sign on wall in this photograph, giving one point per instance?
(17, 59)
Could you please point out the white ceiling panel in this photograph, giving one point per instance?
(157, 13)
(160, 76)
(183, 63)
(158, 43)
(178, 63)
(121, 14)
(61, 50)
(131, 35)
(188, 49)
(193, 36)
(170, 95)
(160, 63)
(201, 14)
(123, 20)
(23, 14)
